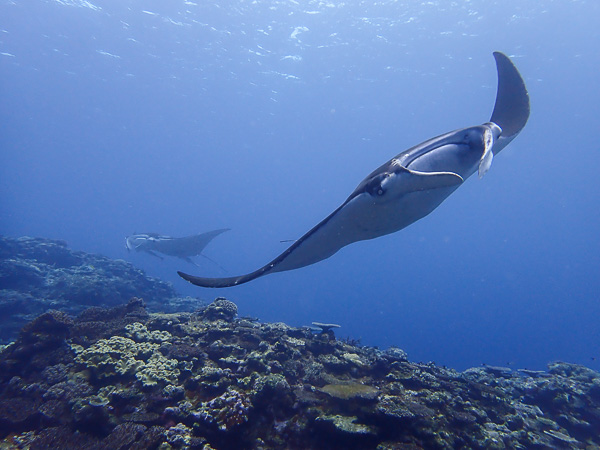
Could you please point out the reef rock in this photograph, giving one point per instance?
(122, 377)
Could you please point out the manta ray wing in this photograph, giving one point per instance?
(273, 266)
(511, 110)
(359, 218)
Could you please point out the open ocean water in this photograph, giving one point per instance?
(182, 117)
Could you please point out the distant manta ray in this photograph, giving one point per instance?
(183, 247)
(409, 186)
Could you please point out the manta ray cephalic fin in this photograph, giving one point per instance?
(488, 154)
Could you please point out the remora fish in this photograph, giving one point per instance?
(409, 186)
(183, 247)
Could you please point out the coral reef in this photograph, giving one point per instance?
(122, 377)
(125, 376)
(37, 275)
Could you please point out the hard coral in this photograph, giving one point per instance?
(158, 369)
(115, 356)
(123, 378)
(227, 410)
(123, 356)
(220, 309)
(138, 332)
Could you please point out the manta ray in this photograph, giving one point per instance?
(183, 247)
(407, 187)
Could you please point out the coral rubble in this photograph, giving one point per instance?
(124, 378)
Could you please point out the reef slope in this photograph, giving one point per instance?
(39, 274)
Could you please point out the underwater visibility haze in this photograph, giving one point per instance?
(179, 118)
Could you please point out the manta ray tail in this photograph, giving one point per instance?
(511, 110)
(221, 282)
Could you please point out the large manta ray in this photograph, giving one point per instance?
(407, 187)
(183, 247)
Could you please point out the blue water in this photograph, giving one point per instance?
(262, 116)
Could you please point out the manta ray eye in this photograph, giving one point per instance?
(374, 187)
